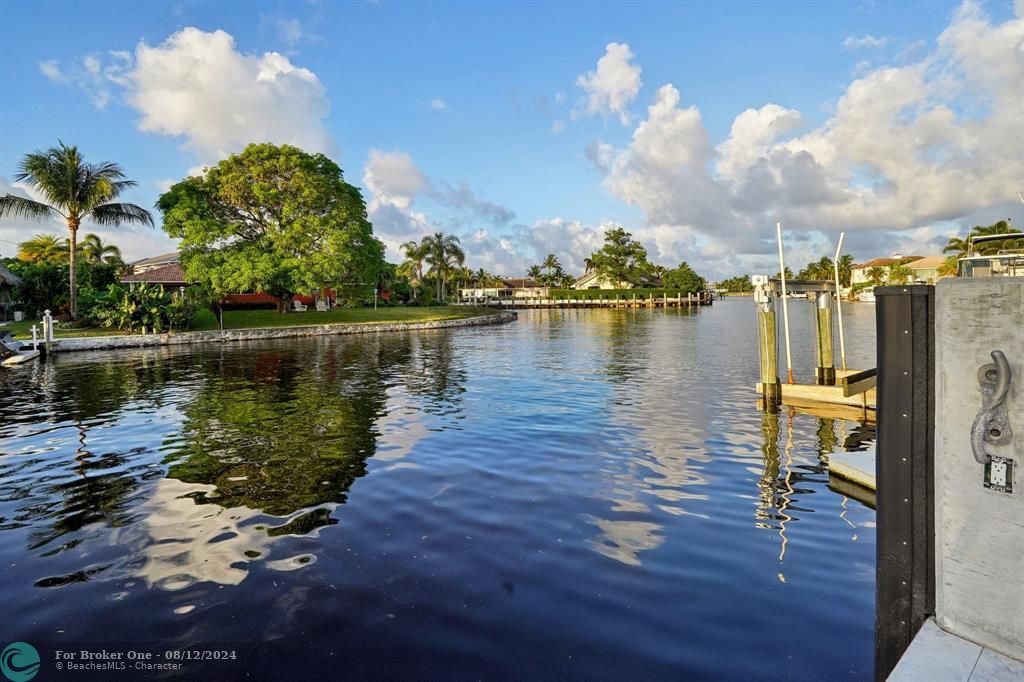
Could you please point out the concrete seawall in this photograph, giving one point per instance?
(85, 343)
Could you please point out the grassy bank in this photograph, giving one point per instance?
(255, 319)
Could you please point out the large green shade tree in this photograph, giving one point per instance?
(274, 219)
(622, 259)
(73, 190)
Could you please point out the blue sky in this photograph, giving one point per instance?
(481, 124)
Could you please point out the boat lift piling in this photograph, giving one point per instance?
(845, 389)
(767, 341)
(825, 372)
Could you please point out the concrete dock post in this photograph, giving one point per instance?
(825, 372)
(771, 388)
(47, 331)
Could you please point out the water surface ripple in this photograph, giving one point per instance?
(579, 494)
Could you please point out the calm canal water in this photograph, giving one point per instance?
(578, 494)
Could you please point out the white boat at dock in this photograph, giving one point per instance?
(1006, 262)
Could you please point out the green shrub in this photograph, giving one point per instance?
(146, 307)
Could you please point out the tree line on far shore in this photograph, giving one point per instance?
(279, 220)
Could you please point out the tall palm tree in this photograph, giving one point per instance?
(75, 191)
(444, 254)
(415, 252)
(43, 248)
(95, 251)
(959, 246)
(551, 264)
(845, 270)
(534, 272)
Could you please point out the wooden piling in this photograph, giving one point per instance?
(771, 389)
(825, 372)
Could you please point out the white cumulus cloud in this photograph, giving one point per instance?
(612, 85)
(906, 147)
(199, 87)
(196, 85)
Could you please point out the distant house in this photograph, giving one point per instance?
(146, 264)
(8, 283)
(170, 275)
(859, 272)
(166, 271)
(592, 280)
(510, 287)
(524, 287)
(926, 270)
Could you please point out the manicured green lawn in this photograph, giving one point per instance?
(23, 330)
(251, 319)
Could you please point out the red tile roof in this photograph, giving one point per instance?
(521, 283)
(166, 274)
(882, 262)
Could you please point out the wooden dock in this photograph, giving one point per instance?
(652, 301)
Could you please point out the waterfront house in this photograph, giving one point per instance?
(510, 287)
(859, 272)
(593, 280)
(154, 262)
(166, 271)
(8, 283)
(169, 276)
(926, 270)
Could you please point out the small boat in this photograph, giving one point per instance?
(867, 296)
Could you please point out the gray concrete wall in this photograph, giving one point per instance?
(979, 532)
(185, 338)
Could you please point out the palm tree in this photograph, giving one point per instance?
(1001, 227)
(43, 248)
(74, 190)
(95, 251)
(534, 273)
(845, 270)
(444, 254)
(876, 273)
(588, 265)
(948, 267)
(898, 273)
(551, 263)
(959, 246)
(414, 252)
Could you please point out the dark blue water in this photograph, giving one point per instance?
(578, 494)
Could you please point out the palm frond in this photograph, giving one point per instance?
(20, 207)
(115, 214)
